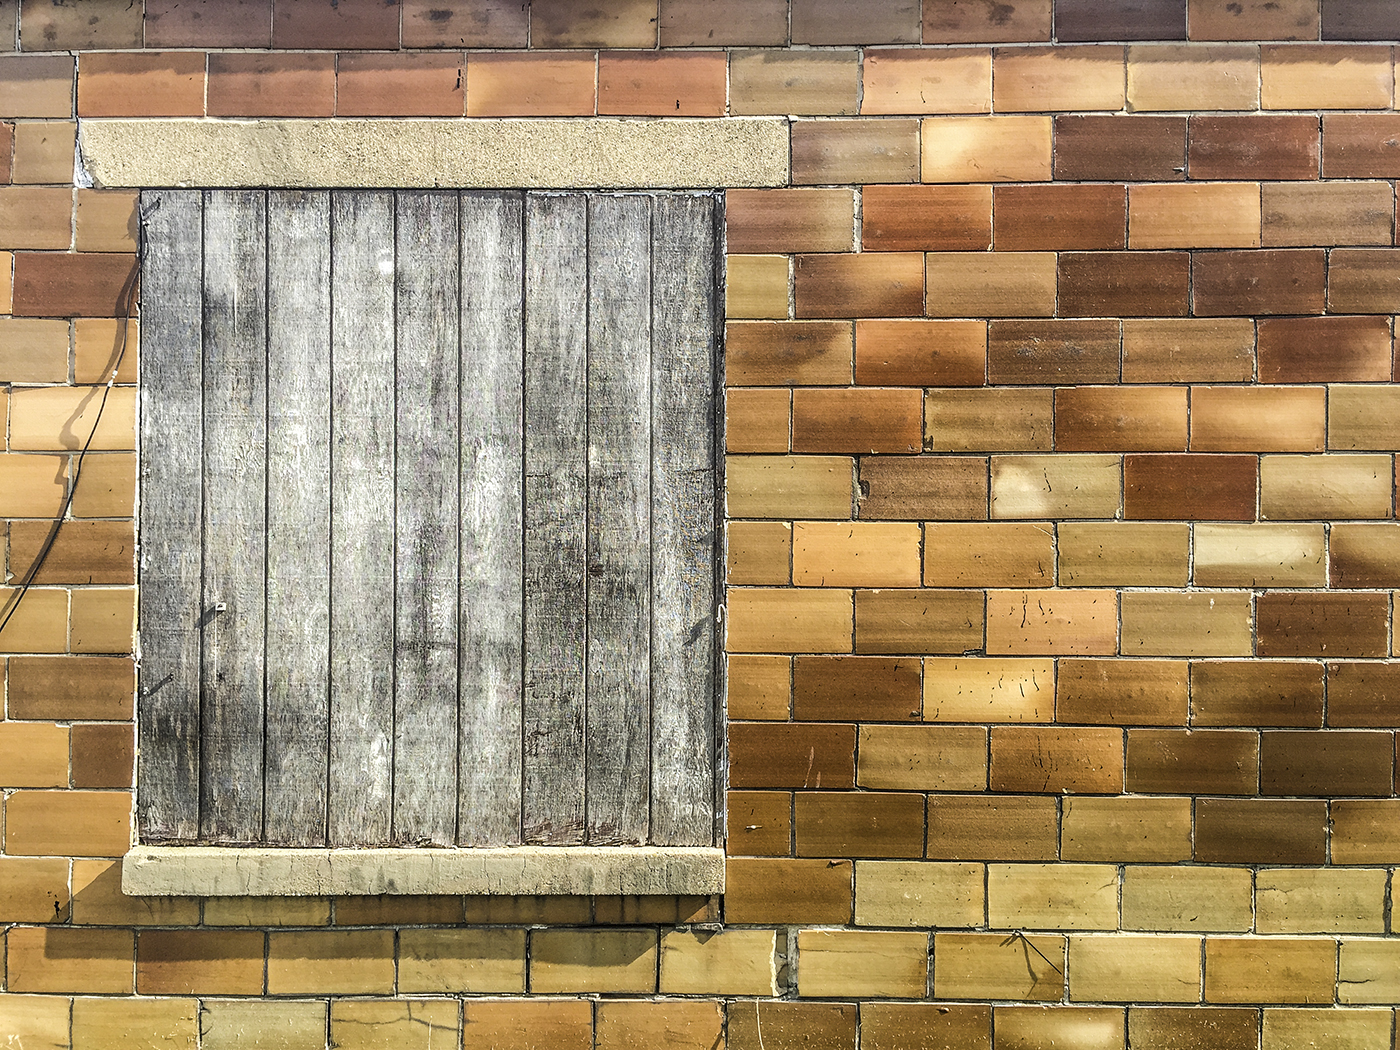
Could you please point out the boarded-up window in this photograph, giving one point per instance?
(428, 520)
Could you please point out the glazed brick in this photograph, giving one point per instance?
(1188, 349)
(759, 823)
(1058, 218)
(59, 959)
(33, 1020)
(1121, 692)
(1362, 417)
(857, 420)
(1366, 973)
(1255, 692)
(33, 890)
(353, 1024)
(1332, 625)
(893, 1026)
(922, 758)
(1221, 1028)
(866, 824)
(927, 81)
(82, 552)
(560, 1024)
(823, 83)
(98, 24)
(1326, 76)
(102, 620)
(946, 488)
(56, 416)
(86, 285)
(43, 154)
(399, 85)
(992, 965)
(1272, 281)
(854, 151)
(1362, 694)
(1327, 213)
(1261, 831)
(987, 284)
(1365, 831)
(756, 286)
(759, 552)
(1120, 20)
(1063, 485)
(1059, 622)
(208, 23)
(926, 218)
(1193, 76)
(1325, 487)
(663, 85)
(778, 755)
(773, 620)
(33, 217)
(271, 85)
(1126, 829)
(1052, 896)
(1254, 147)
(35, 755)
(1116, 149)
(1002, 554)
(855, 554)
(756, 420)
(987, 149)
(959, 23)
(1122, 554)
(1188, 899)
(1205, 762)
(855, 21)
(343, 24)
(1196, 215)
(1053, 351)
(1362, 555)
(921, 353)
(560, 23)
(788, 486)
(107, 487)
(538, 84)
(145, 84)
(1110, 418)
(783, 890)
(1149, 968)
(791, 1026)
(317, 961)
(41, 626)
(593, 961)
(737, 962)
(1125, 284)
(36, 86)
(1045, 79)
(1051, 760)
(992, 827)
(789, 220)
(68, 823)
(436, 910)
(71, 687)
(1258, 419)
(105, 221)
(1348, 1028)
(1359, 20)
(1326, 762)
(989, 689)
(1175, 624)
(918, 621)
(870, 284)
(1189, 487)
(1324, 350)
(805, 353)
(1363, 280)
(1259, 555)
(1005, 420)
(859, 962)
(727, 23)
(1360, 145)
(1252, 20)
(856, 688)
(1250, 970)
(182, 962)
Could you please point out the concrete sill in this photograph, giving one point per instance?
(224, 871)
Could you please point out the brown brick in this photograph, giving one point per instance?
(1063, 485)
(1133, 149)
(1364, 555)
(1326, 762)
(861, 824)
(1122, 554)
(992, 827)
(923, 487)
(82, 552)
(854, 151)
(759, 823)
(918, 621)
(1256, 693)
(926, 218)
(791, 1026)
(391, 910)
(1327, 213)
(856, 688)
(1312, 487)
(1052, 760)
(559, 911)
(1184, 350)
(757, 420)
(1191, 624)
(1332, 625)
(788, 486)
(721, 23)
(1193, 76)
(1141, 20)
(181, 962)
(895, 1026)
(145, 84)
(782, 620)
(1005, 420)
(1275, 281)
(1060, 77)
(1189, 487)
(1259, 555)
(987, 149)
(782, 890)
(921, 353)
(781, 755)
(103, 756)
(1001, 554)
(271, 85)
(1126, 284)
(789, 220)
(97, 24)
(1324, 349)
(36, 85)
(1251, 20)
(1104, 419)
(1254, 147)
(530, 85)
(927, 81)
(1126, 829)
(88, 285)
(807, 353)
(1362, 694)
(1016, 284)
(1194, 215)
(759, 552)
(871, 284)
(801, 82)
(922, 758)
(855, 21)
(560, 1024)
(1326, 76)
(1053, 351)
(1177, 762)
(1359, 20)
(1179, 1028)
(1249, 970)
(1258, 419)
(960, 22)
(1360, 145)
(44, 153)
(857, 420)
(344, 24)
(1058, 218)
(1261, 831)
(58, 959)
(1121, 692)
(656, 84)
(684, 1025)
(71, 687)
(208, 23)
(627, 23)
(318, 961)
(1363, 280)
(419, 85)
(33, 890)
(102, 620)
(993, 965)
(1365, 831)
(36, 217)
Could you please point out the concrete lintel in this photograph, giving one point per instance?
(231, 871)
(593, 153)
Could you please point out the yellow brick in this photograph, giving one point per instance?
(1187, 899)
(855, 554)
(847, 962)
(44, 152)
(68, 823)
(397, 1025)
(998, 966)
(593, 961)
(33, 754)
(1199, 215)
(134, 1024)
(1269, 969)
(1052, 896)
(763, 620)
(1123, 554)
(105, 221)
(1192, 77)
(1126, 829)
(35, 1022)
(760, 552)
(317, 962)
(672, 1024)
(788, 486)
(922, 758)
(1365, 831)
(33, 486)
(267, 911)
(977, 554)
(760, 687)
(986, 149)
(97, 342)
(1198, 624)
(1258, 419)
(927, 81)
(728, 962)
(1320, 900)
(106, 487)
(756, 286)
(1188, 349)
(919, 893)
(1260, 556)
(33, 890)
(232, 1024)
(989, 689)
(1333, 1029)
(1368, 971)
(1058, 622)
(39, 625)
(63, 417)
(61, 959)
(1326, 76)
(1363, 417)
(462, 960)
(1065, 485)
(1045, 79)
(98, 900)
(1084, 1028)
(990, 284)
(33, 350)
(1001, 420)
(1324, 487)
(1129, 968)
(103, 619)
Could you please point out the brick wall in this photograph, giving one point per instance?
(1062, 544)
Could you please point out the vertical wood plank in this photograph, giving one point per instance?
(556, 340)
(298, 516)
(362, 518)
(683, 545)
(426, 480)
(171, 510)
(619, 519)
(235, 469)
(491, 591)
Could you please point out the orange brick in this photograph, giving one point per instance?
(799, 82)
(855, 151)
(1326, 76)
(807, 353)
(859, 824)
(1206, 215)
(683, 1024)
(926, 218)
(757, 420)
(1276, 970)
(1188, 350)
(988, 555)
(759, 552)
(1258, 419)
(400, 85)
(918, 621)
(33, 754)
(98, 342)
(245, 84)
(990, 284)
(763, 620)
(1053, 217)
(789, 220)
(176, 962)
(105, 221)
(992, 827)
(63, 959)
(1050, 760)
(144, 84)
(887, 1026)
(1045, 79)
(857, 420)
(921, 353)
(871, 284)
(986, 149)
(539, 84)
(662, 85)
(1052, 622)
(1137, 419)
(1192, 76)
(311, 962)
(783, 890)
(69, 823)
(927, 81)
(1121, 692)
(855, 554)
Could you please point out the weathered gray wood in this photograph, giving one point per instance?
(235, 480)
(298, 518)
(171, 512)
(492, 592)
(556, 341)
(426, 561)
(683, 523)
(619, 518)
(362, 518)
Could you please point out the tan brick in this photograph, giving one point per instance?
(760, 687)
(175, 962)
(32, 486)
(1123, 554)
(989, 555)
(461, 961)
(60, 959)
(1127, 968)
(855, 554)
(36, 217)
(1258, 419)
(1192, 76)
(789, 486)
(98, 900)
(102, 619)
(1002, 420)
(782, 890)
(919, 893)
(922, 758)
(999, 284)
(1325, 900)
(918, 621)
(782, 353)
(1187, 899)
(848, 962)
(359, 962)
(1365, 555)
(1325, 76)
(69, 823)
(1058, 622)
(1184, 350)
(799, 82)
(1165, 624)
(986, 149)
(1324, 487)
(863, 824)
(1086, 1028)
(267, 911)
(1368, 971)
(1052, 896)
(44, 152)
(731, 962)
(1057, 760)
(33, 350)
(227, 1024)
(36, 85)
(1203, 215)
(756, 286)
(63, 417)
(40, 625)
(887, 1026)
(107, 486)
(953, 81)
(593, 961)
(1121, 692)
(791, 1026)
(1363, 281)
(134, 1024)
(1365, 831)
(676, 1024)
(1060, 486)
(992, 827)
(403, 1025)
(855, 151)
(36, 1022)
(33, 890)
(1117, 419)
(33, 754)
(529, 1023)
(995, 966)
(105, 221)
(98, 342)
(1261, 555)
(759, 552)
(1271, 970)
(989, 689)
(774, 620)
(757, 420)
(1339, 1029)
(83, 552)
(1302, 214)
(1126, 829)
(1063, 77)
(1363, 417)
